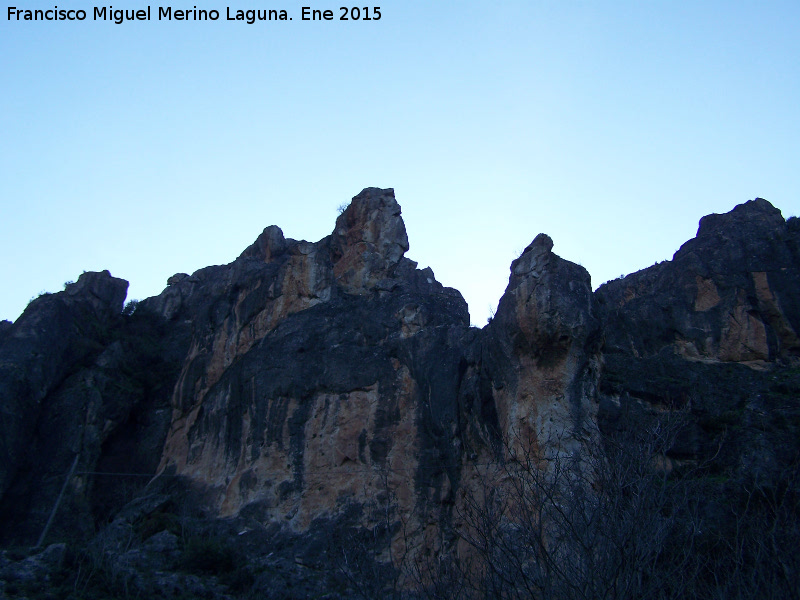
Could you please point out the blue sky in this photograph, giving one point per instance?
(151, 148)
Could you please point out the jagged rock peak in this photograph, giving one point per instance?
(534, 255)
(372, 221)
(269, 244)
(731, 292)
(758, 212)
(548, 300)
(367, 243)
(753, 235)
(369, 240)
(100, 289)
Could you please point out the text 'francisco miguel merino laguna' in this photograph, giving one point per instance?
(167, 13)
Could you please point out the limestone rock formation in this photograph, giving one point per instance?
(544, 340)
(712, 334)
(312, 399)
(304, 384)
(730, 294)
(50, 340)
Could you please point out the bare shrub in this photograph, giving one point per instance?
(620, 520)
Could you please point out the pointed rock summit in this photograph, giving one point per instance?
(369, 241)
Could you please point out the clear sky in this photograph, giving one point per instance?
(150, 148)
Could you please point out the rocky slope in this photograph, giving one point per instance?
(317, 404)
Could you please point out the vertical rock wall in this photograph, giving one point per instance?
(336, 380)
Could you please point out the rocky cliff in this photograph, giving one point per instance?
(712, 334)
(307, 393)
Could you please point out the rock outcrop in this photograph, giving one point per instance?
(317, 395)
(51, 338)
(305, 386)
(712, 336)
(544, 343)
(80, 383)
(730, 294)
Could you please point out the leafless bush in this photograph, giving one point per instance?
(617, 519)
(621, 521)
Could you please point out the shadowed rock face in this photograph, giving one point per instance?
(334, 370)
(308, 381)
(53, 337)
(80, 381)
(730, 294)
(323, 373)
(543, 345)
(713, 335)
